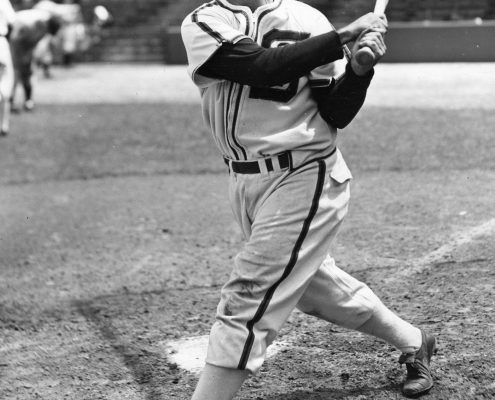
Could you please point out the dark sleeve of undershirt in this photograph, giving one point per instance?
(250, 64)
(340, 102)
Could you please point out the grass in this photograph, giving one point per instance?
(87, 141)
(420, 139)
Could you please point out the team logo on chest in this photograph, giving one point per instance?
(285, 93)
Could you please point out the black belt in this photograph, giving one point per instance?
(253, 167)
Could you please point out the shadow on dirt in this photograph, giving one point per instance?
(331, 393)
(147, 364)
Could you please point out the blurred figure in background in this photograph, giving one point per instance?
(30, 28)
(47, 30)
(69, 35)
(7, 19)
(43, 54)
(75, 35)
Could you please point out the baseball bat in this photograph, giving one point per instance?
(364, 55)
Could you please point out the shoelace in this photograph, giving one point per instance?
(416, 370)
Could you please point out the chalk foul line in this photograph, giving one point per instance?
(440, 255)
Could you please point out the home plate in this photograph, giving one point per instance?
(190, 353)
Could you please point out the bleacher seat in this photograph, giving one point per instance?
(139, 30)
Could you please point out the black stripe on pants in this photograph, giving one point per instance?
(288, 269)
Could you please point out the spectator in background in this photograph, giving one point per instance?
(7, 19)
(72, 31)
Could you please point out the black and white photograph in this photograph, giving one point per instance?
(247, 199)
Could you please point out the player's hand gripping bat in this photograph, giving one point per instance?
(365, 55)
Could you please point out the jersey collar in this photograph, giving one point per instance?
(233, 7)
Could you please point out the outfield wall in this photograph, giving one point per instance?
(461, 41)
(428, 41)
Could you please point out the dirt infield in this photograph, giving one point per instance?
(100, 271)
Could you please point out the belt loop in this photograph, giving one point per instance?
(228, 161)
(263, 169)
(276, 164)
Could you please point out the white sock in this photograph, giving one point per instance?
(414, 345)
(385, 325)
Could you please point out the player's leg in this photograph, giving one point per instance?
(24, 74)
(417, 346)
(6, 84)
(337, 297)
(26, 77)
(290, 221)
(43, 55)
(218, 383)
(4, 100)
(386, 325)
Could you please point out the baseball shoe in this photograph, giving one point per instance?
(29, 105)
(419, 379)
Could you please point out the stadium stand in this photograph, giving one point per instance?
(147, 30)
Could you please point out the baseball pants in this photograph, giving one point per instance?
(7, 78)
(6, 70)
(289, 219)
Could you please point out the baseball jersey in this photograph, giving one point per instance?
(7, 16)
(251, 122)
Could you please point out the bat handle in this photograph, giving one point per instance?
(365, 56)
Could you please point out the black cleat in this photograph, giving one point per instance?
(419, 379)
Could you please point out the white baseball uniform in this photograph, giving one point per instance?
(7, 18)
(244, 125)
(290, 211)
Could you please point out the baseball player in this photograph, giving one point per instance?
(31, 27)
(7, 19)
(277, 82)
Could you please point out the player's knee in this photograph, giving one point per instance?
(357, 309)
(367, 301)
(238, 294)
